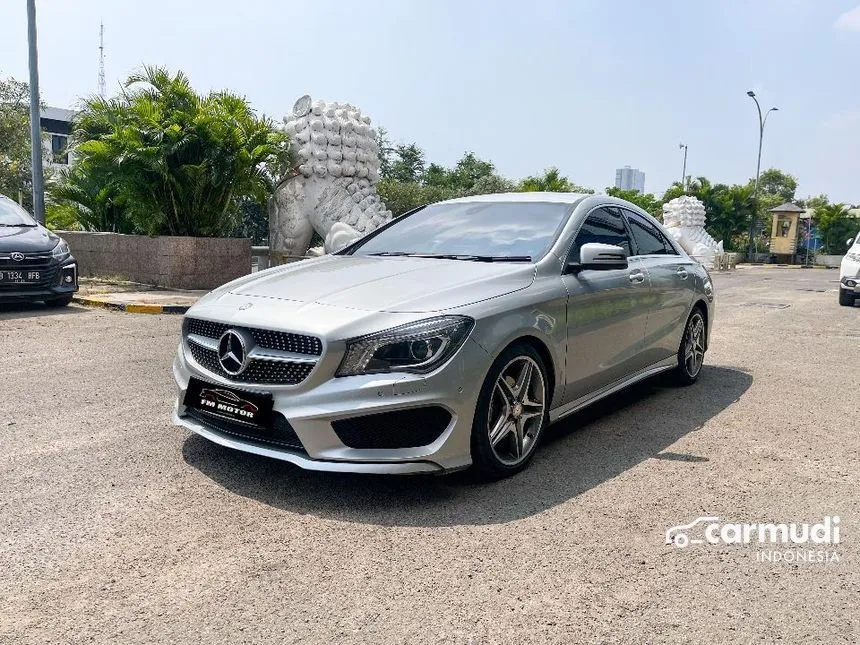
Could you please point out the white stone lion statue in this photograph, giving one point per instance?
(684, 218)
(332, 188)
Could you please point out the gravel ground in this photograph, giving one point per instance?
(119, 528)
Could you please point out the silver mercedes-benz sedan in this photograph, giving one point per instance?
(452, 336)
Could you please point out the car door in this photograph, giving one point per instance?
(607, 310)
(671, 285)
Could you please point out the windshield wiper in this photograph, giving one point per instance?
(18, 225)
(475, 258)
(456, 256)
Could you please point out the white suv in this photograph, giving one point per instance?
(849, 274)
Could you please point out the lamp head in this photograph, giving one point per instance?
(751, 93)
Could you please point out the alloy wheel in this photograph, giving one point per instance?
(517, 410)
(694, 345)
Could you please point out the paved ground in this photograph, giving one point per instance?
(116, 527)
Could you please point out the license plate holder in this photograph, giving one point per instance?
(229, 403)
(23, 276)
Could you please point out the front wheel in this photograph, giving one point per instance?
(691, 353)
(846, 299)
(512, 411)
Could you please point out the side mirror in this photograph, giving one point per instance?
(600, 257)
(849, 242)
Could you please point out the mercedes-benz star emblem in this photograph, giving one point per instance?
(17, 256)
(232, 353)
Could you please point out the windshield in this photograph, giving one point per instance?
(13, 215)
(519, 231)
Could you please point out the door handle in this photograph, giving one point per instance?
(681, 273)
(636, 277)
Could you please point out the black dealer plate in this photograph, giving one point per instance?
(24, 276)
(229, 403)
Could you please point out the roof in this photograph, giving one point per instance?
(57, 114)
(530, 197)
(787, 207)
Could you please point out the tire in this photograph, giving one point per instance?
(62, 301)
(691, 353)
(510, 415)
(846, 299)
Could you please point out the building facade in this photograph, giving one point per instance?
(57, 125)
(628, 178)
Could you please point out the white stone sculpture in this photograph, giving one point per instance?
(684, 218)
(332, 190)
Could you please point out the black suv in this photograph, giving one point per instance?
(35, 264)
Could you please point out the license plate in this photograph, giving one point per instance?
(20, 276)
(229, 403)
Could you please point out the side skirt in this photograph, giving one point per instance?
(588, 399)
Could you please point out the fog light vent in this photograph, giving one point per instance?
(399, 429)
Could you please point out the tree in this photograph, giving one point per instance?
(400, 197)
(776, 184)
(174, 161)
(551, 181)
(386, 150)
(835, 227)
(408, 164)
(15, 165)
(646, 202)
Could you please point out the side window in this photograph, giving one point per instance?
(649, 239)
(603, 226)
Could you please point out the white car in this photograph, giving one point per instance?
(849, 274)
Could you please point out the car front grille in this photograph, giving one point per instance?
(41, 262)
(265, 338)
(279, 432)
(398, 429)
(272, 370)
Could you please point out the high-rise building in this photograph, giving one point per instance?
(628, 178)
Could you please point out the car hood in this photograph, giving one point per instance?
(26, 239)
(389, 284)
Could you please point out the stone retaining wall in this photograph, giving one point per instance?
(173, 262)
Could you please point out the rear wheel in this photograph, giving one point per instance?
(846, 298)
(691, 353)
(511, 414)
(62, 301)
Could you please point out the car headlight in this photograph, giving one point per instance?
(854, 256)
(61, 251)
(415, 347)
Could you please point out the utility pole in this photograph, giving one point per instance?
(102, 89)
(35, 125)
(761, 122)
(684, 169)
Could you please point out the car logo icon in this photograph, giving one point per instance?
(17, 256)
(232, 352)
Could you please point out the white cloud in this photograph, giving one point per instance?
(849, 21)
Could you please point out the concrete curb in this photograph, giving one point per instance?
(746, 265)
(130, 307)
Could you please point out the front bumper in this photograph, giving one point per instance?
(58, 286)
(851, 285)
(311, 407)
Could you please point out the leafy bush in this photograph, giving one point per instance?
(162, 160)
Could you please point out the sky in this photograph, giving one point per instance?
(584, 85)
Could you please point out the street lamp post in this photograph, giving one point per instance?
(35, 126)
(684, 169)
(761, 121)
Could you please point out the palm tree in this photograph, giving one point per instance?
(551, 181)
(176, 162)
